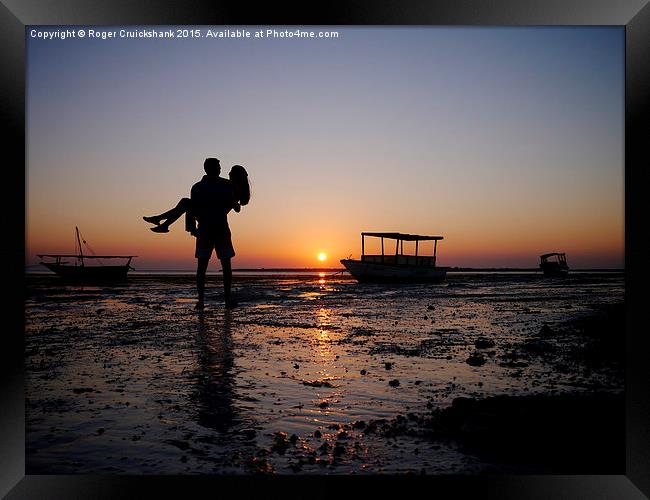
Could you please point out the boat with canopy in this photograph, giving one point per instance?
(554, 264)
(396, 267)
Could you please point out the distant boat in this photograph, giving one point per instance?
(79, 270)
(554, 264)
(397, 267)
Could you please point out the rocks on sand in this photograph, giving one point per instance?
(484, 343)
(475, 359)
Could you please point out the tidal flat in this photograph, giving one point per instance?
(317, 374)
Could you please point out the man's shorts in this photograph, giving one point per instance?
(222, 244)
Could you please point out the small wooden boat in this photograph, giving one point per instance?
(396, 268)
(554, 264)
(79, 270)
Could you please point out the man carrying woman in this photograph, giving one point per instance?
(210, 201)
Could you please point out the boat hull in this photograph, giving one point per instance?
(89, 273)
(371, 272)
(552, 269)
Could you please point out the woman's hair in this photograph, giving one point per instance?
(239, 178)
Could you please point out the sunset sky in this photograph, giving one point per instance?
(506, 141)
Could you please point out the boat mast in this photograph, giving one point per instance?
(81, 253)
(435, 247)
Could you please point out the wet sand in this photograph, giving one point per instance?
(486, 373)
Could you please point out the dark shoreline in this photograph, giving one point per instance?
(552, 434)
(342, 273)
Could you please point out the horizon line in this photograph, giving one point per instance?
(337, 269)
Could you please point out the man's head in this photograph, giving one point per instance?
(212, 167)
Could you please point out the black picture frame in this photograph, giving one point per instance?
(634, 15)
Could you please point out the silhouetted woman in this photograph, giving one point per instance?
(241, 188)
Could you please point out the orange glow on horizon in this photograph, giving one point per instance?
(289, 239)
(462, 247)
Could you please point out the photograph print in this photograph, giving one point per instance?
(324, 250)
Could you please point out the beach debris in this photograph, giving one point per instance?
(342, 435)
(388, 365)
(357, 331)
(338, 450)
(323, 404)
(484, 343)
(81, 390)
(475, 359)
(296, 366)
(363, 372)
(280, 442)
(259, 465)
(318, 383)
(394, 383)
(513, 364)
(393, 349)
(324, 448)
(371, 427)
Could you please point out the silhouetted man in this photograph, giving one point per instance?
(212, 198)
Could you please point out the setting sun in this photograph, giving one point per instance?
(322, 256)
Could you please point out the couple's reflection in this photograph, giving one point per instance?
(215, 377)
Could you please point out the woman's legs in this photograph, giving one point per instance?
(170, 216)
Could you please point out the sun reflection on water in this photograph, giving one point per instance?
(323, 339)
